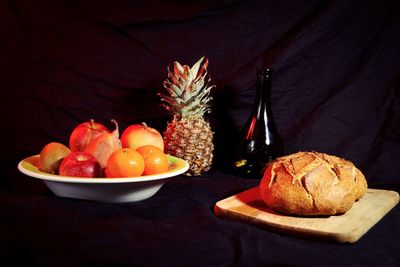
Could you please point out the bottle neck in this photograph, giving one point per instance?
(263, 86)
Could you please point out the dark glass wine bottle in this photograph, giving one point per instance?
(259, 142)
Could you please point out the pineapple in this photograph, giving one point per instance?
(189, 135)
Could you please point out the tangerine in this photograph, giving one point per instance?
(155, 161)
(124, 162)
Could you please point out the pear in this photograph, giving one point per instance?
(104, 145)
(51, 156)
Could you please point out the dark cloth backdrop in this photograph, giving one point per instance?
(335, 90)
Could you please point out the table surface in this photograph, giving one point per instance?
(176, 227)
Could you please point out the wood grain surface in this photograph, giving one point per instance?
(248, 207)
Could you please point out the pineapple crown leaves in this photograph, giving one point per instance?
(189, 93)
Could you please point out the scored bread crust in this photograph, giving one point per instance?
(312, 183)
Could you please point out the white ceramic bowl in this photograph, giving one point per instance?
(113, 190)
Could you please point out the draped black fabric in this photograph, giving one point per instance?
(335, 89)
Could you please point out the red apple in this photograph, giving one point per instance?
(137, 135)
(80, 164)
(84, 133)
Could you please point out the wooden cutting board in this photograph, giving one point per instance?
(349, 227)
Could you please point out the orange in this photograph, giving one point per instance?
(155, 161)
(124, 162)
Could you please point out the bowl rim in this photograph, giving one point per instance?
(27, 167)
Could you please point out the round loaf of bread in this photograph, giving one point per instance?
(312, 183)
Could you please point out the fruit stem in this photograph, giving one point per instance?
(116, 131)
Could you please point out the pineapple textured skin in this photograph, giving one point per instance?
(191, 140)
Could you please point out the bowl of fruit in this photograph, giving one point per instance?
(100, 165)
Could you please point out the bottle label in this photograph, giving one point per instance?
(240, 163)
